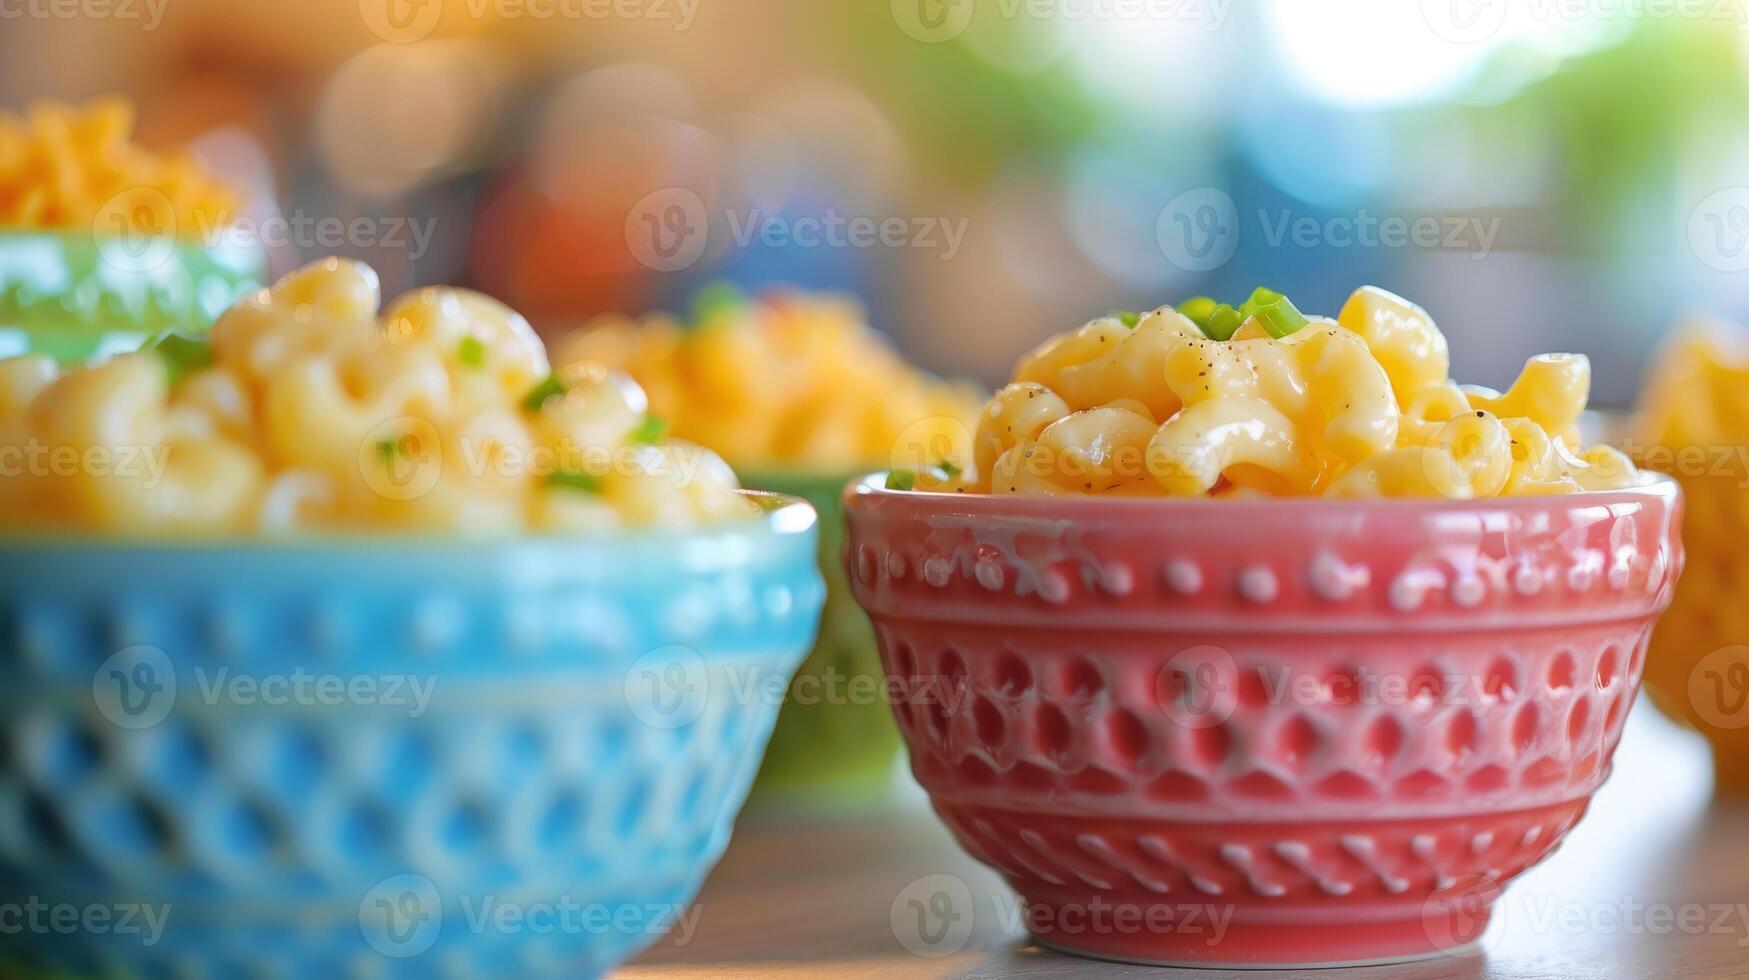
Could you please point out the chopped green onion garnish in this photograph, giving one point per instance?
(649, 431)
(1260, 297)
(386, 450)
(181, 355)
(574, 480)
(1219, 321)
(1197, 309)
(471, 352)
(901, 480)
(1280, 318)
(1222, 323)
(951, 468)
(716, 300)
(1128, 318)
(538, 395)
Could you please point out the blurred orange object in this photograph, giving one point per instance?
(1694, 424)
(555, 264)
(67, 167)
(793, 381)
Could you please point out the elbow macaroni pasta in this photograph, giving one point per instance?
(792, 381)
(1693, 422)
(304, 410)
(65, 167)
(1358, 406)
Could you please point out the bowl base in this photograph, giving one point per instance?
(1274, 945)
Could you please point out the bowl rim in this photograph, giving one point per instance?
(1659, 488)
(245, 261)
(781, 517)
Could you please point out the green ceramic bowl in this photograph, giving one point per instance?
(75, 295)
(835, 734)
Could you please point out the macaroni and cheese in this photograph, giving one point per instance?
(793, 382)
(1208, 399)
(304, 410)
(1693, 423)
(62, 167)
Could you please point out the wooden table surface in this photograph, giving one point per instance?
(812, 894)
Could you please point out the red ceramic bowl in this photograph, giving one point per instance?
(1261, 732)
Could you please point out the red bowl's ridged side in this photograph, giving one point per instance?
(1397, 702)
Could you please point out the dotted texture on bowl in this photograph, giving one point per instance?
(494, 736)
(1313, 712)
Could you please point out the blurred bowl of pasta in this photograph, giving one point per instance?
(106, 244)
(801, 395)
(1693, 424)
(337, 643)
(1314, 716)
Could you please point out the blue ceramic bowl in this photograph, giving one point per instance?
(383, 757)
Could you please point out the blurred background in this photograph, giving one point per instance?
(981, 173)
